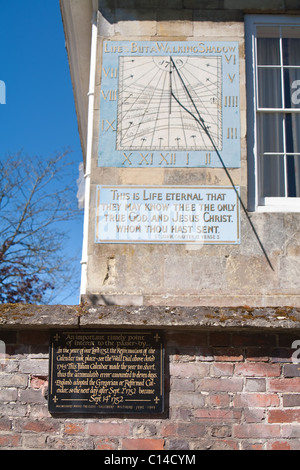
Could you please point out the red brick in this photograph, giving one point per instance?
(256, 400)
(228, 355)
(281, 355)
(183, 429)
(257, 355)
(292, 400)
(257, 370)
(220, 431)
(291, 431)
(249, 446)
(32, 396)
(73, 429)
(193, 369)
(280, 446)
(9, 440)
(254, 415)
(170, 430)
(219, 339)
(221, 385)
(253, 340)
(9, 337)
(205, 355)
(255, 431)
(284, 416)
(41, 426)
(285, 385)
(38, 382)
(224, 444)
(217, 416)
(108, 429)
(187, 339)
(295, 445)
(286, 340)
(33, 337)
(221, 369)
(143, 444)
(5, 424)
(291, 370)
(74, 443)
(255, 385)
(183, 384)
(106, 444)
(218, 400)
(186, 399)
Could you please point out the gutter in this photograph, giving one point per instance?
(87, 175)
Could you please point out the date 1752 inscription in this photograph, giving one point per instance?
(106, 372)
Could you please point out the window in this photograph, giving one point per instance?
(273, 74)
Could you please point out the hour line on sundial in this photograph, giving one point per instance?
(149, 117)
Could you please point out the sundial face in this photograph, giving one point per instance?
(154, 97)
(150, 118)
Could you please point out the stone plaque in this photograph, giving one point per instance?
(167, 214)
(106, 372)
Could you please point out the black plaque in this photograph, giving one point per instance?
(106, 372)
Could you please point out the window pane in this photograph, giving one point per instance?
(293, 167)
(272, 176)
(270, 133)
(268, 51)
(291, 51)
(295, 124)
(292, 129)
(297, 175)
(269, 88)
(292, 87)
(278, 88)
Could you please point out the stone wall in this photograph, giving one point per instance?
(227, 388)
(164, 274)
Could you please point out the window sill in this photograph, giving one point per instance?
(279, 205)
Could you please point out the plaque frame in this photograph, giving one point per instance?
(189, 215)
(106, 372)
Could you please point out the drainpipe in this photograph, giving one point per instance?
(87, 175)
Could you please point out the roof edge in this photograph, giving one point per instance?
(77, 18)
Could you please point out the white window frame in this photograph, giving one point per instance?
(257, 203)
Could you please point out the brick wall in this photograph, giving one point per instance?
(224, 390)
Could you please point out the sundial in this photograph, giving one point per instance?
(153, 97)
(150, 118)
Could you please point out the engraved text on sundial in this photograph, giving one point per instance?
(148, 116)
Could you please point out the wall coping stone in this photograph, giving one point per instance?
(16, 316)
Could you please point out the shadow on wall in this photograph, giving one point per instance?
(175, 10)
(96, 300)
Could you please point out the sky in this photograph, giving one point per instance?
(39, 115)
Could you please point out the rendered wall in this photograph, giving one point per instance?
(184, 274)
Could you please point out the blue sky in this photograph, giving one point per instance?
(39, 115)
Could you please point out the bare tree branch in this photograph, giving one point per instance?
(35, 205)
